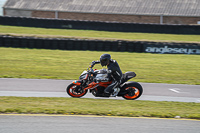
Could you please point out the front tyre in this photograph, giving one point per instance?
(134, 91)
(75, 90)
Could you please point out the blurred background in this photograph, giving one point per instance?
(2, 2)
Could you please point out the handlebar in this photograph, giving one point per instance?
(90, 70)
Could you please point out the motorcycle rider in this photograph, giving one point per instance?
(114, 73)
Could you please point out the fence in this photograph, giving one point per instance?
(102, 26)
(99, 45)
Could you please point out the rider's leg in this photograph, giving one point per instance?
(110, 88)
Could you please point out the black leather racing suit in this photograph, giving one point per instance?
(114, 73)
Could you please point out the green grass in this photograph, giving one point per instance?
(90, 34)
(58, 64)
(102, 107)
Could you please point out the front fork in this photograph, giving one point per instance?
(81, 83)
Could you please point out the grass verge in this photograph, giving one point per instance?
(91, 34)
(58, 64)
(102, 107)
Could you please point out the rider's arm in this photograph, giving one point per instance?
(93, 63)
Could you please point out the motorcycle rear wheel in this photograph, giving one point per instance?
(135, 91)
(75, 91)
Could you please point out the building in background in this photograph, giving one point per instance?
(133, 11)
(2, 2)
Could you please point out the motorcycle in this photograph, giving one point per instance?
(96, 81)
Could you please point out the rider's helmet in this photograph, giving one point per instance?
(105, 59)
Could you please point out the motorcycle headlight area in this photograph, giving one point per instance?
(83, 76)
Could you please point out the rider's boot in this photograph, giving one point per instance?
(115, 92)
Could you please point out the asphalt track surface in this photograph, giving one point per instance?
(57, 88)
(14, 123)
(90, 124)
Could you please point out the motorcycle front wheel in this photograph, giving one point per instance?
(134, 89)
(75, 91)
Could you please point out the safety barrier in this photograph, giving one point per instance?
(99, 45)
(102, 26)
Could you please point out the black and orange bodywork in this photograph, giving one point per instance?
(77, 82)
(87, 81)
(92, 85)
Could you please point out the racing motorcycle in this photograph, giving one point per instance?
(96, 81)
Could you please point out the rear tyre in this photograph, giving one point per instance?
(75, 91)
(134, 89)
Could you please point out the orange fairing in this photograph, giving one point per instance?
(94, 84)
(77, 82)
(91, 85)
(105, 84)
